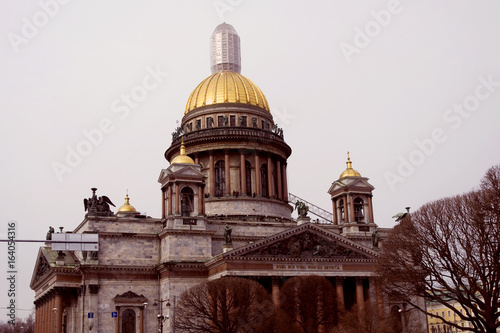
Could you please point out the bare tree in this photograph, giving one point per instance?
(226, 305)
(307, 304)
(448, 252)
(26, 325)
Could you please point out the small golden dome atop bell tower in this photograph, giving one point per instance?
(349, 172)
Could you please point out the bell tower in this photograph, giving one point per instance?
(351, 196)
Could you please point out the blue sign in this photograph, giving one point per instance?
(90, 315)
(114, 314)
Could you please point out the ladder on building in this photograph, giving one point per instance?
(326, 216)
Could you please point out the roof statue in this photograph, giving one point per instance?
(98, 206)
(302, 208)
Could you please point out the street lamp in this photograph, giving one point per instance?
(161, 318)
(173, 314)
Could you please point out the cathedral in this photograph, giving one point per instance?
(226, 211)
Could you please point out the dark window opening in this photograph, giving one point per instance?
(187, 202)
(220, 179)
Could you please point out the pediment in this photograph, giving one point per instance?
(42, 267)
(188, 172)
(129, 297)
(351, 183)
(180, 172)
(305, 241)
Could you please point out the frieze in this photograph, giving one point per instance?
(306, 245)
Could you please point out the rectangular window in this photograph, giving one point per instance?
(232, 121)
(220, 121)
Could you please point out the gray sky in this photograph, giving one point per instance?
(410, 88)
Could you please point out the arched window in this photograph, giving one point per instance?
(359, 211)
(220, 179)
(128, 321)
(248, 176)
(341, 208)
(187, 203)
(263, 180)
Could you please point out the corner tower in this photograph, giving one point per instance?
(351, 196)
(229, 130)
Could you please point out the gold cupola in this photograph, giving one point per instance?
(226, 87)
(127, 208)
(349, 172)
(182, 157)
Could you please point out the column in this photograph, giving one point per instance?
(196, 158)
(334, 206)
(350, 203)
(141, 328)
(177, 199)
(270, 187)
(339, 288)
(275, 290)
(200, 200)
(211, 173)
(45, 316)
(278, 179)
(380, 301)
(258, 187)
(285, 183)
(243, 176)
(227, 172)
(52, 313)
(169, 199)
(163, 199)
(370, 208)
(59, 311)
(360, 299)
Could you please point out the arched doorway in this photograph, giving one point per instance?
(128, 321)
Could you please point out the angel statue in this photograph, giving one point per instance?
(97, 206)
(302, 208)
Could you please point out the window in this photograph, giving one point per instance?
(187, 206)
(220, 179)
(359, 213)
(248, 176)
(232, 121)
(263, 180)
(220, 121)
(341, 208)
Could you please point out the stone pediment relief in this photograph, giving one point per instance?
(129, 297)
(41, 268)
(306, 242)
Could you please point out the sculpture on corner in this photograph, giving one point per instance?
(97, 206)
(302, 208)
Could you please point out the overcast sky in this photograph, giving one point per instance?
(410, 88)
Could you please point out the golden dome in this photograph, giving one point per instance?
(349, 172)
(126, 207)
(182, 157)
(226, 87)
